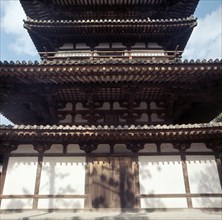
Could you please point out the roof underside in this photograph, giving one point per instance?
(50, 35)
(91, 9)
(193, 86)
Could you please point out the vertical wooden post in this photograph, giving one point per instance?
(6, 148)
(41, 148)
(182, 148)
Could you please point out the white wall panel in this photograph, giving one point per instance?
(55, 148)
(20, 176)
(25, 148)
(61, 203)
(198, 147)
(163, 203)
(167, 147)
(160, 175)
(207, 202)
(149, 148)
(203, 175)
(74, 148)
(63, 175)
(16, 204)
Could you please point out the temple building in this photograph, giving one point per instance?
(111, 117)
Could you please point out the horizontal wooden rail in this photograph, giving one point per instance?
(123, 54)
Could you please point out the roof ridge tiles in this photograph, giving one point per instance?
(108, 61)
(135, 20)
(112, 127)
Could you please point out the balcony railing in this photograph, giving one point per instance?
(112, 54)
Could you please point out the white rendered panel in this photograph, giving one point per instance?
(16, 204)
(20, 176)
(167, 147)
(149, 148)
(25, 148)
(198, 147)
(74, 149)
(102, 148)
(160, 175)
(61, 203)
(121, 148)
(68, 119)
(163, 203)
(55, 148)
(203, 175)
(63, 175)
(207, 202)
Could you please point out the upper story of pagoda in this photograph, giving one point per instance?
(110, 29)
(108, 9)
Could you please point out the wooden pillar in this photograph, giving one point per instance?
(182, 148)
(6, 148)
(41, 148)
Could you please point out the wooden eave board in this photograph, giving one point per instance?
(169, 33)
(54, 9)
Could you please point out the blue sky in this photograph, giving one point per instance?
(205, 41)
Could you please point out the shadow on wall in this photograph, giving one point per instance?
(115, 184)
(209, 183)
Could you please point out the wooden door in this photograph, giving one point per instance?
(112, 182)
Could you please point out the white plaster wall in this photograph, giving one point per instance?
(68, 107)
(102, 148)
(143, 105)
(55, 148)
(143, 118)
(25, 148)
(66, 46)
(116, 106)
(149, 148)
(106, 106)
(121, 148)
(20, 176)
(154, 106)
(61, 203)
(207, 202)
(80, 107)
(198, 147)
(79, 119)
(63, 175)
(155, 118)
(163, 203)
(74, 148)
(82, 46)
(16, 204)
(160, 175)
(168, 147)
(203, 175)
(68, 119)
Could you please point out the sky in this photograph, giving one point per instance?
(204, 43)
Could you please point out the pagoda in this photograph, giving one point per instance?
(111, 117)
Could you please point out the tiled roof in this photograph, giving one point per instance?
(108, 134)
(107, 61)
(107, 70)
(174, 32)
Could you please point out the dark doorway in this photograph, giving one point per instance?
(113, 182)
